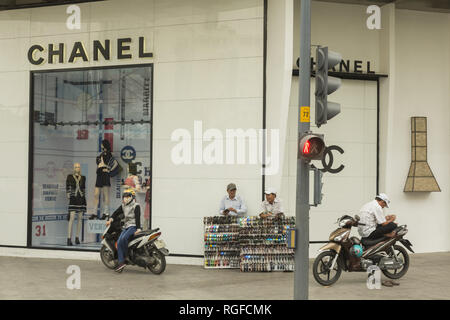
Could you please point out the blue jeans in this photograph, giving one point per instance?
(122, 243)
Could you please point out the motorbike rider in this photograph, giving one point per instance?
(376, 225)
(130, 211)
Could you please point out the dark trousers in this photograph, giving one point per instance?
(380, 231)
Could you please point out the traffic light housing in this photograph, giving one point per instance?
(325, 85)
(318, 175)
(311, 146)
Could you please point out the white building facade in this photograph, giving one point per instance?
(202, 69)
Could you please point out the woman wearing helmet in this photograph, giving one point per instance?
(130, 213)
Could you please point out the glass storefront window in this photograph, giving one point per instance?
(75, 112)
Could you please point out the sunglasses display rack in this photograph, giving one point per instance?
(250, 244)
(222, 250)
(264, 244)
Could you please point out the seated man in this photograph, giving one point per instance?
(272, 206)
(376, 225)
(231, 204)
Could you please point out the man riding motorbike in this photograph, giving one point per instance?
(130, 213)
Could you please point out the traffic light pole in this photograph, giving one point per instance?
(302, 198)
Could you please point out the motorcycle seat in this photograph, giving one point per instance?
(147, 232)
(366, 242)
(143, 233)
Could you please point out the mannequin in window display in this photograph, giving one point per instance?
(76, 194)
(132, 181)
(105, 165)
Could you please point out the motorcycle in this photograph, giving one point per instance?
(343, 252)
(144, 249)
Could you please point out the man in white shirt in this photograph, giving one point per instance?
(231, 204)
(376, 225)
(272, 206)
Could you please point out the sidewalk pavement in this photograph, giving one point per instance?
(41, 279)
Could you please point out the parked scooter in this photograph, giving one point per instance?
(352, 254)
(144, 249)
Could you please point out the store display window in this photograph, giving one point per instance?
(90, 139)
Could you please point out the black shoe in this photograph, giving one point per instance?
(120, 268)
(93, 216)
(77, 241)
(69, 242)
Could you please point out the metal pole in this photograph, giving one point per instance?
(302, 201)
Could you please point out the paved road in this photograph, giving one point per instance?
(32, 278)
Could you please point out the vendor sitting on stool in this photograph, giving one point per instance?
(272, 206)
(232, 204)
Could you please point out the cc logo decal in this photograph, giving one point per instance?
(327, 166)
(128, 154)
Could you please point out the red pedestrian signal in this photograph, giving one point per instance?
(312, 147)
(306, 147)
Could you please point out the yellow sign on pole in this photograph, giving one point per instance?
(304, 114)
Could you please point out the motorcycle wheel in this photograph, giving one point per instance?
(108, 258)
(321, 269)
(398, 273)
(159, 265)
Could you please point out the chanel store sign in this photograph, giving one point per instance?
(61, 52)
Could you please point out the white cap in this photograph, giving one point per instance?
(270, 190)
(385, 198)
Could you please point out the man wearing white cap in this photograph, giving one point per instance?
(376, 224)
(272, 206)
